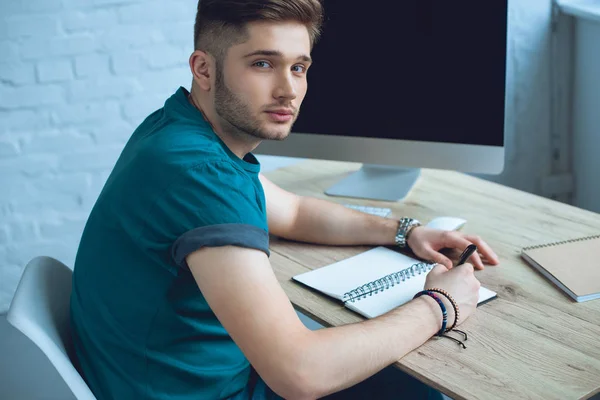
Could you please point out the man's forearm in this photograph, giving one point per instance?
(324, 222)
(338, 358)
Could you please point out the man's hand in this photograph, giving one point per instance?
(462, 285)
(426, 243)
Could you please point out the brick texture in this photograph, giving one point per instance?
(76, 78)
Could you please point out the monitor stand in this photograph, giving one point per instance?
(377, 182)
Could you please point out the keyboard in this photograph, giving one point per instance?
(379, 211)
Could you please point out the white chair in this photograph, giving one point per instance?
(40, 310)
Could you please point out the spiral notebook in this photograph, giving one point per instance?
(374, 282)
(572, 265)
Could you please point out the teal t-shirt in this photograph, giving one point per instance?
(141, 327)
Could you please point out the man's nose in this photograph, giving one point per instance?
(286, 87)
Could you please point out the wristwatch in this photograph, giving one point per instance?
(405, 226)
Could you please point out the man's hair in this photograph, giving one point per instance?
(221, 24)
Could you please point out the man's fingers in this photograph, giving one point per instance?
(439, 258)
(484, 249)
(438, 269)
(457, 240)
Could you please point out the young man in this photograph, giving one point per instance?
(173, 294)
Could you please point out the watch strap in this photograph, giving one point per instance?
(405, 226)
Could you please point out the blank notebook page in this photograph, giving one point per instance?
(382, 302)
(343, 276)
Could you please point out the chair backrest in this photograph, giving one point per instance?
(40, 310)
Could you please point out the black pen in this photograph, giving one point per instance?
(466, 254)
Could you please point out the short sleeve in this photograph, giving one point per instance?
(211, 205)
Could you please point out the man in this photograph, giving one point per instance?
(173, 293)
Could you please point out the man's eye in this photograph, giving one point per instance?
(299, 68)
(261, 64)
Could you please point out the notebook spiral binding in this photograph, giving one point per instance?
(386, 282)
(581, 239)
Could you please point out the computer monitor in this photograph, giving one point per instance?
(400, 86)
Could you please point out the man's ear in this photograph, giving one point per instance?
(201, 64)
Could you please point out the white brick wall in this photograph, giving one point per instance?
(76, 77)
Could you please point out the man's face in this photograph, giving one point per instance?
(261, 83)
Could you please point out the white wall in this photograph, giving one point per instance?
(528, 96)
(586, 118)
(76, 77)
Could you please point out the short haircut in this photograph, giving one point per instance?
(221, 24)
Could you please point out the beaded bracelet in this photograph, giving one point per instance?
(445, 317)
(454, 306)
(442, 306)
(456, 314)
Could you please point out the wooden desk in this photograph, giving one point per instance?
(533, 342)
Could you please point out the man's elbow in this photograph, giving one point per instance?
(295, 383)
(296, 375)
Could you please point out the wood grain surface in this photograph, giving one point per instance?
(532, 342)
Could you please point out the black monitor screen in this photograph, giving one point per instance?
(427, 70)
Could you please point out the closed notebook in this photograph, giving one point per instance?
(572, 265)
(374, 282)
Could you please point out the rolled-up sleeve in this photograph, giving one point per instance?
(210, 205)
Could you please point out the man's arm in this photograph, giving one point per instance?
(243, 292)
(313, 220)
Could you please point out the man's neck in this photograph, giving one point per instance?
(239, 143)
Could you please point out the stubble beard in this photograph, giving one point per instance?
(238, 115)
